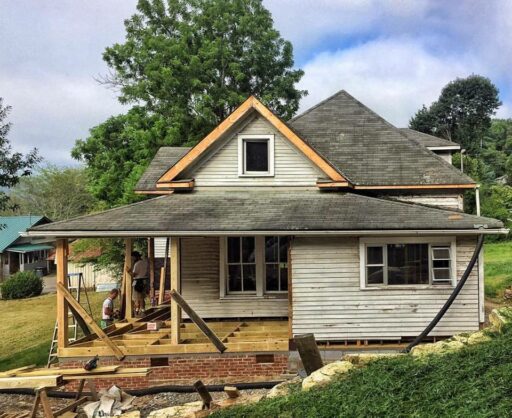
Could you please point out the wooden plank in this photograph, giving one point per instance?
(18, 382)
(205, 395)
(417, 186)
(72, 406)
(230, 333)
(309, 353)
(14, 372)
(90, 321)
(67, 372)
(104, 376)
(163, 273)
(232, 391)
(45, 403)
(128, 265)
(198, 321)
(175, 287)
(181, 185)
(61, 250)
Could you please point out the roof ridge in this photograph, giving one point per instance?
(339, 92)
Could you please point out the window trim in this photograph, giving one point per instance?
(274, 292)
(443, 241)
(242, 139)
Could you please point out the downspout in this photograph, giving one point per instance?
(452, 297)
(477, 200)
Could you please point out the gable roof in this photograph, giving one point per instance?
(11, 226)
(429, 141)
(164, 159)
(250, 105)
(368, 150)
(252, 211)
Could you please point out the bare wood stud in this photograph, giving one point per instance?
(175, 287)
(62, 306)
(151, 260)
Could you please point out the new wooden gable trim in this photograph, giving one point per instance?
(226, 124)
(418, 187)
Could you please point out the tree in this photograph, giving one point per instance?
(185, 65)
(462, 113)
(13, 165)
(58, 193)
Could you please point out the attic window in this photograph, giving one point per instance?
(256, 155)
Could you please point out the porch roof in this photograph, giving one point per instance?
(293, 212)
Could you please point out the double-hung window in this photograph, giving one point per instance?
(254, 265)
(407, 263)
(256, 155)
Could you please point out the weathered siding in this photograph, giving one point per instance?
(93, 278)
(200, 285)
(290, 167)
(328, 301)
(448, 201)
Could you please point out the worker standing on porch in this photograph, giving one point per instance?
(139, 274)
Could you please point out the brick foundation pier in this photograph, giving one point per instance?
(186, 369)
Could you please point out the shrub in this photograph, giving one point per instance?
(24, 284)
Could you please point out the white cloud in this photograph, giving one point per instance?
(51, 112)
(394, 77)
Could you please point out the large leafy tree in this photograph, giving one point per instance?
(58, 193)
(13, 165)
(462, 113)
(185, 65)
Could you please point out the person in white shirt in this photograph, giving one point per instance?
(107, 312)
(139, 273)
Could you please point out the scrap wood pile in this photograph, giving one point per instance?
(41, 380)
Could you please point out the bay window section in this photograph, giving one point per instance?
(276, 264)
(254, 266)
(241, 263)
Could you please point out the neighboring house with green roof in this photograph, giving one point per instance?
(18, 253)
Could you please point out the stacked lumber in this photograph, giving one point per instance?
(30, 377)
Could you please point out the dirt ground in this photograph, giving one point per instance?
(145, 404)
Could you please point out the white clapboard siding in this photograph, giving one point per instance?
(449, 201)
(200, 285)
(160, 247)
(92, 277)
(291, 168)
(328, 301)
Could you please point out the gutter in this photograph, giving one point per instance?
(478, 230)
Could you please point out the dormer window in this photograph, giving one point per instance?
(256, 155)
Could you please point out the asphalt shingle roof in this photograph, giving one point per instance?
(427, 140)
(265, 210)
(11, 226)
(367, 149)
(164, 159)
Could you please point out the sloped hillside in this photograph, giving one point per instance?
(473, 382)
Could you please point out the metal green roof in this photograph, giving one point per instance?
(26, 248)
(11, 226)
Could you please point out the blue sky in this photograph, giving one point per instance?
(394, 55)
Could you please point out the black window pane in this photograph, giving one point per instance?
(234, 279)
(249, 277)
(283, 275)
(283, 249)
(375, 275)
(248, 254)
(271, 249)
(374, 255)
(441, 263)
(272, 278)
(407, 264)
(441, 253)
(233, 250)
(256, 156)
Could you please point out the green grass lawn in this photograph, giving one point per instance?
(498, 268)
(26, 328)
(474, 382)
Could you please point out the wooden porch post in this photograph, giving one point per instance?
(175, 285)
(61, 256)
(151, 260)
(128, 248)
